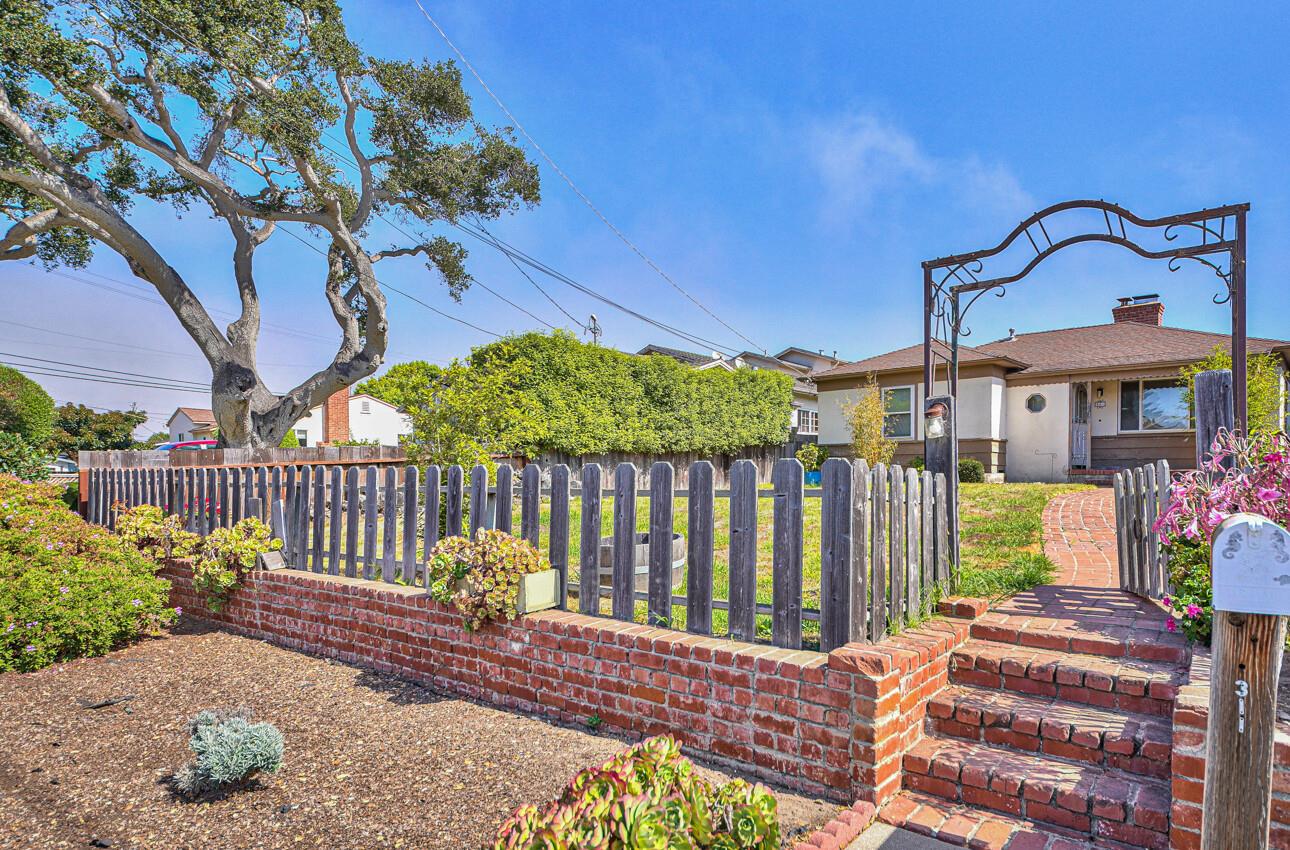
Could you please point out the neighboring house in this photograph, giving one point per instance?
(191, 423)
(1068, 404)
(798, 362)
(341, 418)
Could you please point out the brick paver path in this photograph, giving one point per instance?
(1052, 732)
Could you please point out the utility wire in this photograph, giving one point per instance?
(31, 370)
(493, 241)
(166, 351)
(558, 170)
(44, 360)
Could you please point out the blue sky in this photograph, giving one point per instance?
(789, 165)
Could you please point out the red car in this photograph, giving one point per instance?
(188, 446)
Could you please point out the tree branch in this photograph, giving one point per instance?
(19, 242)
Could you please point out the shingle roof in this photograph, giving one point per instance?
(1116, 345)
(911, 357)
(198, 415)
(1110, 346)
(690, 357)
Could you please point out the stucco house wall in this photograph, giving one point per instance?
(1039, 443)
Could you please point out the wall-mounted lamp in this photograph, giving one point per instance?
(1100, 391)
(935, 420)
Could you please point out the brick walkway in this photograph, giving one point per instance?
(1052, 732)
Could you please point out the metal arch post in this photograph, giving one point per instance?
(1239, 361)
(953, 368)
(929, 374)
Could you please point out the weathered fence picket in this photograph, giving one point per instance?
(883, 539)
(1141, 494)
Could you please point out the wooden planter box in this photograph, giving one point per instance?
(538, 591)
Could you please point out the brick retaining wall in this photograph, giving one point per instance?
(1191, 718)
(835, 725)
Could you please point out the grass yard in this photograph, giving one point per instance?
(1002, 537)
(1002, 546)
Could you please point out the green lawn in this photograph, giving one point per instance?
(1001, 537)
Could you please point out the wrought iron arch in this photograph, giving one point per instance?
(1213, 237)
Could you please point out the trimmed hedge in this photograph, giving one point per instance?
(67, 588)
(25, 408)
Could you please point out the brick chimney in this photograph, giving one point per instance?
(336, 417)
(1142, 309)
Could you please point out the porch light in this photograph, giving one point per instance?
(935, 420)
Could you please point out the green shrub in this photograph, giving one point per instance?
(918, 463)
(481, 577)
(971, 471)
(812, 456)
(289, 440)
(67, 588)
(230, 750)
(157, 534)
(227, 554)
(647, 798)
(25, 408)
(21, 459)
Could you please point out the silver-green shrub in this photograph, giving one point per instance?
(230, 749)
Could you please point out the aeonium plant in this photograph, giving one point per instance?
(480, 576)
(1243, 474)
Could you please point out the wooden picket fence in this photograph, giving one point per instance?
(1141, 495)
(884, 543)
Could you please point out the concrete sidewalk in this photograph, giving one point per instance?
(880, 836)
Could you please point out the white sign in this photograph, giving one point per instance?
(1250, 565)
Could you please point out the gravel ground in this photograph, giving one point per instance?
(371, 761)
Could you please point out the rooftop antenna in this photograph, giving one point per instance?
(593, 328)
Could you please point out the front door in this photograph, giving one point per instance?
(1079, 427)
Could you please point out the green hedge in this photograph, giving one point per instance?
(67, 588)
(25, 408)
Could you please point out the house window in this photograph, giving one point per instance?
(898, 412)
(1159, 405)
(808, 421)
(1036, 403)
(303, 437)
(365, 406)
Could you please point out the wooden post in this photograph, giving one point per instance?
(835, 554)
(1247, 651)
(624, 560)
(786, 554)
(661, 476)
(742, 595)
(698, 582)
(559, 536)
(589, 548)
(941, 453)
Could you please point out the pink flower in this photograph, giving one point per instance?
(1268, 494)
(1168, 602)
(1171, 624)
(1193, 611)
(1274, 457)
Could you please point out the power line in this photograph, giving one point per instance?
(44, 360)
(494, 242)
(32, 370)
(168, 352)
(519, 126)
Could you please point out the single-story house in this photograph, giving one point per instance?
(801, 363)
(1059, 405)
(341, 418)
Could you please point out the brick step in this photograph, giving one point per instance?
(964, 826)
(1136, 743)
(1089, 800)
(1086, 620)
(1127, 684)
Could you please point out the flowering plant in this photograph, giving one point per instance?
(480, 577)
(1243, 474)
(647, 798)
(67, 588)
(226, 554)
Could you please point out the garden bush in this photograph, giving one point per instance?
(25, 408)
(67, 588)
(230, 750)
(21, 459)
(971, 471)
(1241, 475)
(647, 798)
(918, 463)
(812, 456)
(480, 577)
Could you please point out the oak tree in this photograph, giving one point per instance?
(265, 113)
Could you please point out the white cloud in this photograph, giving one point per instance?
(860, 156)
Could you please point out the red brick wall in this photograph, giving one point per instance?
(1151, 313)
(833, 725)
(336, 417)
(1191, 717)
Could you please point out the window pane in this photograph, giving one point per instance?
(1163, 406)
(898, 425)
(897, 400)
(1129, 406)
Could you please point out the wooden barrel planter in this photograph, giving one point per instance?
(640, 559)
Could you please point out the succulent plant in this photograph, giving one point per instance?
(647, 797)
(230, 749)
(480, 576)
